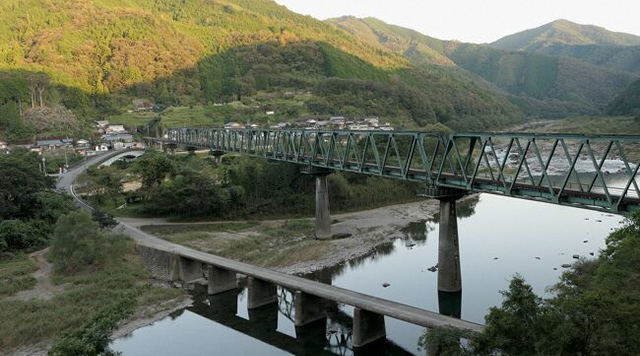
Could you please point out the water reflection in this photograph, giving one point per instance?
(330, 336)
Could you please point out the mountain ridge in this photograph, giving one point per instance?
(566, 33)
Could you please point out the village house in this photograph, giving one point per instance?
(113, 129)
(119, 141)
(372, 121)
(3, 145)
(233, 125)
(142, 105)
(53, 144)
(102, 147)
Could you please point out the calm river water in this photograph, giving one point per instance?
(499, 237)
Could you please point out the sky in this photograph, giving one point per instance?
(478, 21)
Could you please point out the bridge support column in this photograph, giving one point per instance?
(185, 270)
(367, 327)
(221, 280)
(309, 309)
(323, 214)
(449, 276)
(261, 293)
(217, 155)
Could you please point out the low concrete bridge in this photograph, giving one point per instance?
(311, 298)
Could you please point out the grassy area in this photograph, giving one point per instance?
(84, 295)
(15, 274)
(267, 245)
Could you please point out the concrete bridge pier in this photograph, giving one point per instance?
(309, 309)
(449, 276)
(220, 280)
(323, 214)
(217, 155)
(367, 327)
(261, 293)
(185, 269)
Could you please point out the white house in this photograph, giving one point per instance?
(112, 129)
(233, 125)
(102, 147)
(3, 145)
(270, 112)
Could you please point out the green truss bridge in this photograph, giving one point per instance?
(593, 172)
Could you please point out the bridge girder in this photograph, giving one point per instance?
(565, 169)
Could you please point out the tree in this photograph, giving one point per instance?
(20, 180)
(78, 243)
(153, 168)
(104, 219)
(16, 235)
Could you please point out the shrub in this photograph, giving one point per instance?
(18, 235)
(78, 243)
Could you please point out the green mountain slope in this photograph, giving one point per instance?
(566, 33)
(541, 85)
(628, 102)
(419, 48)
(94, 56)
(625, 59)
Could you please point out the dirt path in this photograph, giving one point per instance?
(44, 289)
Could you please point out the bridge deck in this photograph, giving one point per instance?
(389, 308)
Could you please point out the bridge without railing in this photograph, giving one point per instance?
(587, 171)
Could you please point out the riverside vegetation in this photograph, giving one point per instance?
(101, 281)
(195, 187)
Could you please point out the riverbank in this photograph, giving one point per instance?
(288, 245)
(52, 304)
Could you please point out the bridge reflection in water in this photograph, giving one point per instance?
(329, 336)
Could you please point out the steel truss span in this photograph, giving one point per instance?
(593, 172)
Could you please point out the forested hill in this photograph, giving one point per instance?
(590, 44)
(542, 85)
(94, 56)
(566, 33)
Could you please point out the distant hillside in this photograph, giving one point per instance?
(625, 59)
(94, 56)
(566, 33)
(541, 85)
(412, 44)
(628, 102)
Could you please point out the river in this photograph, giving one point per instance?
(499, 237)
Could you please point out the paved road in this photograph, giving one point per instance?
(377, 305)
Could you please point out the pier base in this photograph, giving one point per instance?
(185, 270)
(309, 309)
(449, 276)
(220, 280)
(261, 293)
(367, 327)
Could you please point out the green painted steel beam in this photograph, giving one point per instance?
(542, 167)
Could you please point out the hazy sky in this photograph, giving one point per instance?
(478, 20)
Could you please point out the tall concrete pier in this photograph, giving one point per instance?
(323, 214)
(449, 275)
